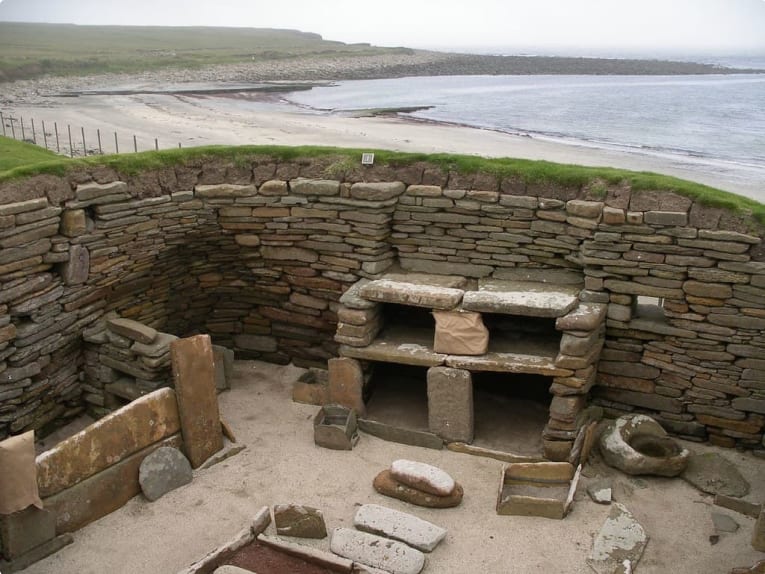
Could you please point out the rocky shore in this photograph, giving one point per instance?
(344, 67)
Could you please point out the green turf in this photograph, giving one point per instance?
(15, 154)
(30, 50)
(26, 160)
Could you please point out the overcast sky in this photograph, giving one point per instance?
(626, 25)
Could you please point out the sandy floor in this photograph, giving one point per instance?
(281, 465)
(193, 121)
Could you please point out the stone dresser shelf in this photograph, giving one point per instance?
(413, 346)
(536, 323)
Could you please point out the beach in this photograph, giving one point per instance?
(166, 114)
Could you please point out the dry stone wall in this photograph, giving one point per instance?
(258, 255)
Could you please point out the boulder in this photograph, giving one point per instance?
(162, 471)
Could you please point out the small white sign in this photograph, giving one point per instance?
(367, 158)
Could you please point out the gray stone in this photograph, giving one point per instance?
(132, 330)
(315, 186)
(521, 298)
(24, 530)
(377, 191)
(424, 477)
(228, 569)
(76, 270)
(585, 317)
(224, 191)
(400, 526)
(758, 535)
(299, 521)
(600, 491)
(224, 366)
(450, 404)
(352, 298)
(163, 471)
(376, 551)
(444, 267)
(401, 435)
(261, 343)
(723, 522)
(418, 294)
(637, 444)
(619, 545)
(714, 474)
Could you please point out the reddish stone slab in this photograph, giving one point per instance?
(346, 384)
(108, 441)
(194, 378)
(102, 493)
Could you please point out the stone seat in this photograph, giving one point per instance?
(522, 298)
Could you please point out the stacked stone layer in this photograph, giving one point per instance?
(257, 253)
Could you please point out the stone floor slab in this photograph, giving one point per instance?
(376, 551)
(406, 528)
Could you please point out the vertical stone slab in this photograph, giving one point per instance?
(76, 270)
(758, 535)
(194, 378)
(450, 404)
(346, 384)
(22, 531)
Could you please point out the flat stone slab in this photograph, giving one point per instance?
(401, 435)
(619, 544)
(585, 317)
(421, 476)
(228, 569)
(132, 330)
(600, 492)
(521, 298)
(163, 471)
(385, 484)
(403, 292)
(376, 551)
(399, 345)
(299, 521)
(714, 474)
(406, 528)
(724, 523)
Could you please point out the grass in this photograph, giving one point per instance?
(31, 50)
(14, 154)
(19, 160)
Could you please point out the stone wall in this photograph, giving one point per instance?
(257, 255)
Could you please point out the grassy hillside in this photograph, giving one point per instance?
(14, 154)
(18, 160)
(29, 50)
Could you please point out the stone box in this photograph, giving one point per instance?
(543, 489)
(335, 427)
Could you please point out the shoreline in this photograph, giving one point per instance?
(207, 114)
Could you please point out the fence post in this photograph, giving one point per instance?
(23, 133)
(34, 135)
(13, 130)
(135, 144)
(116, 144)
(156, 144)
(179, 145)
(2, 121)
(84, 148)
(45, 136)
(71, 148)
(55, 129)
(100, 150)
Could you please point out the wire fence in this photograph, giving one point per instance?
(71, 141)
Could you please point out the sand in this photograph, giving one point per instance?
(282, 465)
(173, 119)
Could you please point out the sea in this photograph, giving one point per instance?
(717, 120)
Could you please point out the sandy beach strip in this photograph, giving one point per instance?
(175, 117)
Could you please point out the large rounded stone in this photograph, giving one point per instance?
(384, 483)
(162, 471)
(637, 444)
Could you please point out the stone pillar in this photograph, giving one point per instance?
(450, 404)
(346, 384)
(194, 377)
(758, 536)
